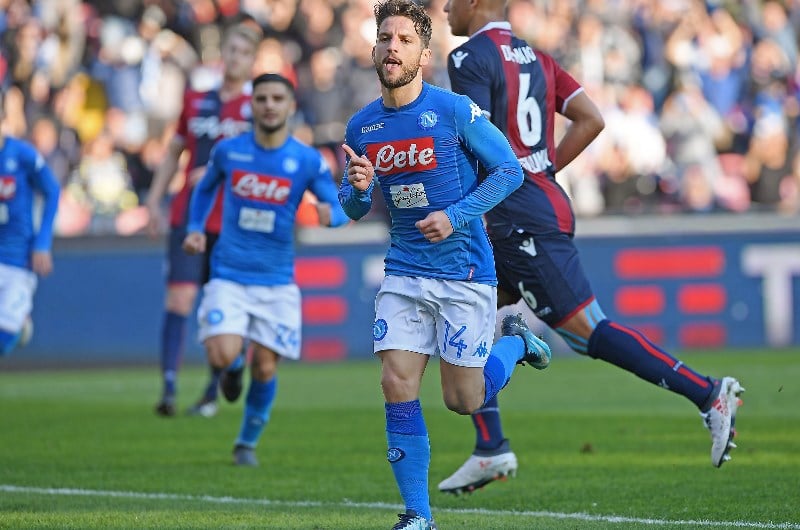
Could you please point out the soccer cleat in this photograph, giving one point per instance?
(26, 333)
(412, 521)
(719, 419)
(479, 471)
(537, 352)
(205, 407)
(244, 456)
(230, 382)
(166, 407)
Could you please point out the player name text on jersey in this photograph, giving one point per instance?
(521, 55)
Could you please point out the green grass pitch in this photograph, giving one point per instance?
(597, 448)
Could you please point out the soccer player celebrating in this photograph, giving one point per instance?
(24, 250)
(532, 230)
(205, 118)
(251, 294)
(438, 295)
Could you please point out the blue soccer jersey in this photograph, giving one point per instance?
(262, 191)
(425, 156)
(23, 174)
(521, 89)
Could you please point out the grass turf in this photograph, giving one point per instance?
(597, 447)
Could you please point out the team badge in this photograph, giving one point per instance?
(379, 329)
(215, 316)
(395, 454)
(428, 119)
(290, 165)
(11, 165)
(246, 111)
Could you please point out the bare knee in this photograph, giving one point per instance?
(461, 404)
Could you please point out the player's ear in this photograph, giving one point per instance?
(425, 58)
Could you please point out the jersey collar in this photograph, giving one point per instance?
(498, 24)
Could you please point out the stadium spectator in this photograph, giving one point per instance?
(206, 117)
(532, 230)
(439, 288)
(251, 295)
(24, 243)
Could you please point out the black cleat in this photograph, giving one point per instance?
(230, 383)
(166, 407)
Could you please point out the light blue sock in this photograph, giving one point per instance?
(8, 341)
(501, 363)
(409, 454)
(256, 411)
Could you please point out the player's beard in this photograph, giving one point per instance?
(407, 74)
(271, 128)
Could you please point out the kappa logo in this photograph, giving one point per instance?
(263, 188)
(458, 58)
(475, 111)
(374, 127)
(415, 154)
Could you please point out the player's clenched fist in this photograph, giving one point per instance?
(195, 243)
(435, 227)
(359, 170)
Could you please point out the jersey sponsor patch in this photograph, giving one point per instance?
(258, 187)
(8, 188)
(257, 220)
(415, 154)
(409, 195)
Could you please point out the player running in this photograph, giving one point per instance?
(520, 89)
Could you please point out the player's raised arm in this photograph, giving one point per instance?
(355, 191)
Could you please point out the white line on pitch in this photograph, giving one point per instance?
(8, 488)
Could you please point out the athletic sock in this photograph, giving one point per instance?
(237, 364)
(500, 364)
(409, 454)
(173, 334)
(257, 409)
(8, 341)
(212, 387)
(488, 427)
(630, 350)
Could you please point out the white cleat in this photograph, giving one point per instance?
(479, 471)
(26, 333)
(719, 419)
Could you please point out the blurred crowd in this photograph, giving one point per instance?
(701, 99)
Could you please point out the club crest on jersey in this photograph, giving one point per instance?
(290, 165)
(415, 154)
(11, 165)
(428, 119)
(245, 111)
(262, 188)
(458, 58)
(8, 188)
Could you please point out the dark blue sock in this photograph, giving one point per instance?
(173, 334)
(488, 428)
(257, 408)
(631, 351)
(500, 364)
(409, 454)
(213, 383)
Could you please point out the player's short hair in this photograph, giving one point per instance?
(272, 78)
(248, 30)
(410, 10)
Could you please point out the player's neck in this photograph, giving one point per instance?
(479, 20)
(231, 88)
(397, 97)
(271, 140)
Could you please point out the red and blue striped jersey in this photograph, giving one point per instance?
(204, 120)
(520, 89)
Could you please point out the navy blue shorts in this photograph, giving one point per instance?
(187, 268)
(545, 271)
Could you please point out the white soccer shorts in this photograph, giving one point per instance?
(17, 286)
(268, 315)
(453, 319)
